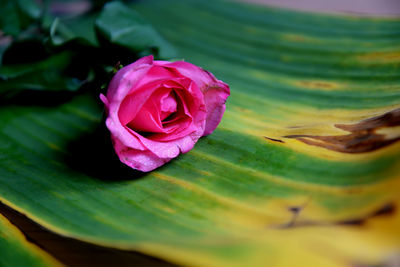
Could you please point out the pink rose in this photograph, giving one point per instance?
(159, 109)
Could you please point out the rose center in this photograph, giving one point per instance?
(168, 105)
(162, 110)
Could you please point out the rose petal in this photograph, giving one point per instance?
(198, 75)
(168, 105)
(190, 116)
(215, 91)
(104, 99)
(122, 134)
(157, 73)
(141, 160)
(146, 121)
(128, 75)
(215, 98)
(149, 118)
(133, 103)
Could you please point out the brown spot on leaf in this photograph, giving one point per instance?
(273, 139)
(295, 209)
(363, 135)
(295, 127)
(386, 210)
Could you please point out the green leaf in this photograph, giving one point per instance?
(303, 169)
(17, 251)
(50, 74)
(125, 28)
(78, 29)
(15, 16)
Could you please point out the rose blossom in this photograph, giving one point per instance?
(159, 109)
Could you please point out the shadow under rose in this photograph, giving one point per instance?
(94, 155)
(36, 98)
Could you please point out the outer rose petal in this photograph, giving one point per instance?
(215, 98)
(119, 87)
(121, 76)
(140, 160)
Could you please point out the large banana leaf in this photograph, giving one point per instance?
(304, 169)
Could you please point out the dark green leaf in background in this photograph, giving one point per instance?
(124, 27)
(49, 74)
(16, 15)
(65, 54)
(78, 28)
